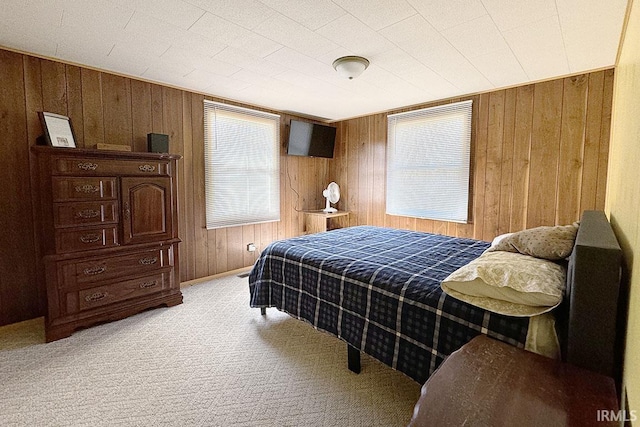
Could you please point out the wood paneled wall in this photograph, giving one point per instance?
(539, 157)
(104, 107)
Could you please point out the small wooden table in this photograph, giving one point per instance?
(319, 221)
(490, 383)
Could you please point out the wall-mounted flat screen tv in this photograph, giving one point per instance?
(311, 139)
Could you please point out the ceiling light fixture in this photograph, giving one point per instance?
(350, 66)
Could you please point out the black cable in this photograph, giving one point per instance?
(297, 195)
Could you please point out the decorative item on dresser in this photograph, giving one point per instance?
(108, 235)
(57, 130)
(157, 143)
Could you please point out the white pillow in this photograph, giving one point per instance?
(496, 240)
(508, 283)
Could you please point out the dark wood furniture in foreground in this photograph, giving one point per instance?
(108, 234)
(490, 383)
(319, 221)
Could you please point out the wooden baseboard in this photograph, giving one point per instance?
(215, 276)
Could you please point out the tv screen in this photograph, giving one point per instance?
(311, 139)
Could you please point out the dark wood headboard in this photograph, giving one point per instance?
(588, 320)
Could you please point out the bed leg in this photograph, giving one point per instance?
(263, 311)
(353, 359)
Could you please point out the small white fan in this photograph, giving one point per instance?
(332, 193)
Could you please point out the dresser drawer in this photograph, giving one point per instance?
(98, 166)
(85, 299)
(72, 189)
(79, 273)
(84, 239)
(72, 214)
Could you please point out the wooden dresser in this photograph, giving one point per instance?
(108, 234)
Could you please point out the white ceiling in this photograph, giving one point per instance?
(278, 53)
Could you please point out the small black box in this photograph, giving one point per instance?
(157, 143)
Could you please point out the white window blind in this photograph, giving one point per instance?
(428, 160)
(242, 173)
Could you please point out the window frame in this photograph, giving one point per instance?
(459, 111)
(249, 217)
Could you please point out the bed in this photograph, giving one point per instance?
(378, 289)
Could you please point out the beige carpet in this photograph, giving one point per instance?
(211, 361)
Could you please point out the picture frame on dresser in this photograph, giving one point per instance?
(57, 130)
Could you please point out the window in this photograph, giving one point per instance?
(428, 159)
(242, 174)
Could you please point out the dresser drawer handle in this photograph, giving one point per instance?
(87, 188)
(90, 238)
(95, 270)
(148, 261)
(87, 166)
(87, 213)
(147, 168)
(96, 296)
(147, 285)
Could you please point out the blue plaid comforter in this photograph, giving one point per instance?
(378, 289)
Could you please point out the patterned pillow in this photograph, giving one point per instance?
(547, 242)
(508, 283)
